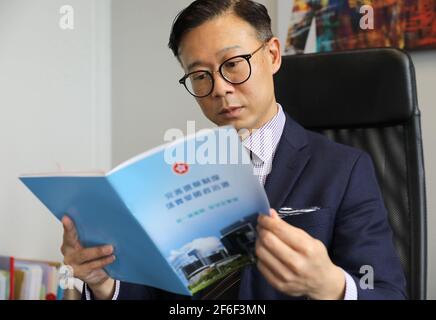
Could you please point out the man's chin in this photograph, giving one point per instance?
(238, 124)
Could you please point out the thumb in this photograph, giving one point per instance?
(273, 213)
(70, 233)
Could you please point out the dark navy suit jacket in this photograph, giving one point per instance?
(311, 170)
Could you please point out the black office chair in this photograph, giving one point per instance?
(367, 99)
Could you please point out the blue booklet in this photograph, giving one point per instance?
(180, 216)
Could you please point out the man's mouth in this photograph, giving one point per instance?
(231, 112)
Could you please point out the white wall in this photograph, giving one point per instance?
(147, 98)
(55, 110)
(425, 65)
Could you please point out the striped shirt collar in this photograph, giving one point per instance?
(262, 143)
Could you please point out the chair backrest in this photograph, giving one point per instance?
(367, 99)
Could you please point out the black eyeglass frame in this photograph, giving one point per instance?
(247, 57)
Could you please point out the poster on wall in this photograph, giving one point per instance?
(333, 25)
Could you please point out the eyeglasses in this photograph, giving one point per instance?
(235, 70)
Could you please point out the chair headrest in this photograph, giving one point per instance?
(348, 88)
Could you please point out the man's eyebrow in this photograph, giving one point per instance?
(220, 52)
(227, 49)
(193, 65)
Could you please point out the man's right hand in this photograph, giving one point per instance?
(88, 263)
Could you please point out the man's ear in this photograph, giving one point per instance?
(274, 50)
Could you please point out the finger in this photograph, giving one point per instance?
(71, 237)
(292, 236)
(96, 276)
(288, 288)
(274, 265)
(89, 254)
(84, 271)
(273, 247)
(268, 274)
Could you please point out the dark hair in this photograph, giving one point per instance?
(201, 11)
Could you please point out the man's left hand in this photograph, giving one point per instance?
(295, 263)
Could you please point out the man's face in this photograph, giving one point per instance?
(245, 106)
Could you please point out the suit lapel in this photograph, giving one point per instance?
(292, 155)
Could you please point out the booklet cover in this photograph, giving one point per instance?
(180, 216)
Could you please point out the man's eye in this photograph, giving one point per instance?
(232, 64)
(199, 77)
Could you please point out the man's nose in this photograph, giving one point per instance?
(221, 87)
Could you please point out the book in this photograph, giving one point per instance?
(30, 289)
(29, 279)
(7, 266)
(180, 216)
(4, 285)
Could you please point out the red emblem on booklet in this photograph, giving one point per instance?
(180, 168)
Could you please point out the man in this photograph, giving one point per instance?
(229, 56)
